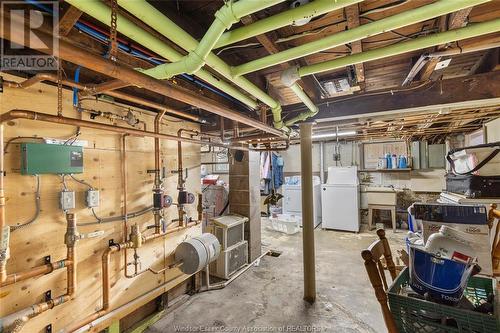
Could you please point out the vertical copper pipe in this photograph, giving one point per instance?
(4, 230)
(157, 185)
(70, 240)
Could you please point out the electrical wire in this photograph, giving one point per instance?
(81, 181)
(37, 209)
(7, 144)
(238, 47)
(100, 220)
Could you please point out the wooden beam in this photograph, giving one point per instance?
(68, 20)
(458, 19)
(267, 42)
(447, 22)
(352, 16)
(456, 90)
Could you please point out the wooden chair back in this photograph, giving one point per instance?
(375, 269)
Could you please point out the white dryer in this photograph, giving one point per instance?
(292, 200)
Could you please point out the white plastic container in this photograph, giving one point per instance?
(285, 223)
(451, 244)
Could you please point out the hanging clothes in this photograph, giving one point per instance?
(277, 170)
(265, 165)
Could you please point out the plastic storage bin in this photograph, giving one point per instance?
(288, 224)
(413, 315)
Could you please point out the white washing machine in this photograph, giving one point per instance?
(340, 199)
(292, 200)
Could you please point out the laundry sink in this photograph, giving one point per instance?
(380, 195)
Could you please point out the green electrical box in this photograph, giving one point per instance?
(42, 158)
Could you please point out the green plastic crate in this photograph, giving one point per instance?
(413, 315)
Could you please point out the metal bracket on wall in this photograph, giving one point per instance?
(111, 242)
(47, 259)
(48, 328)
(48, 295)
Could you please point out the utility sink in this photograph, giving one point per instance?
(379, 195)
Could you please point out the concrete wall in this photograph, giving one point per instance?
(493, 130)
(416, 180)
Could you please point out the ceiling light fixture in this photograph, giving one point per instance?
(333, 135)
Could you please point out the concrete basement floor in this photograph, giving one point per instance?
(268, 297)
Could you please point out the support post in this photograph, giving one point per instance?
(322, 161)
(307, 212)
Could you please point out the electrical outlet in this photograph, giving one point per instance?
(67, 200)
(92, 198)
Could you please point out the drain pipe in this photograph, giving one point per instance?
(470, 31)
(289, 78)
(393, 22)
(307, 212)
(225, 17)
(162, 24)
(283, 19)
(473, 30)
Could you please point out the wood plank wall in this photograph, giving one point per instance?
(102, 168)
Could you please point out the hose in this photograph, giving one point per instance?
(37, 208)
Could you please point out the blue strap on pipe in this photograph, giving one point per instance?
(75, 90)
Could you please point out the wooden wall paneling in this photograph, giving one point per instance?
(102, 168)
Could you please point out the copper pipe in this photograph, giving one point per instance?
(270, 148)
(34, 272)
(89, 89)
(106, 284)
(157, 182)
(32, 115)
(82, 57)
(125, 201)
(4, 229)
(256, 137)
(108, 86)
(200, 207)
(180, 172)
(15, 321)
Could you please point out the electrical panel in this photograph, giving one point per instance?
(42, 158)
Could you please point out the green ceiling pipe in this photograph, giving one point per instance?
(225, 17)
(312, 9)
(155, 19)
(405, 18)
(313, 109)
(102, 13)
(472, 30)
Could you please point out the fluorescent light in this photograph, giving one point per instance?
(333, 135)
